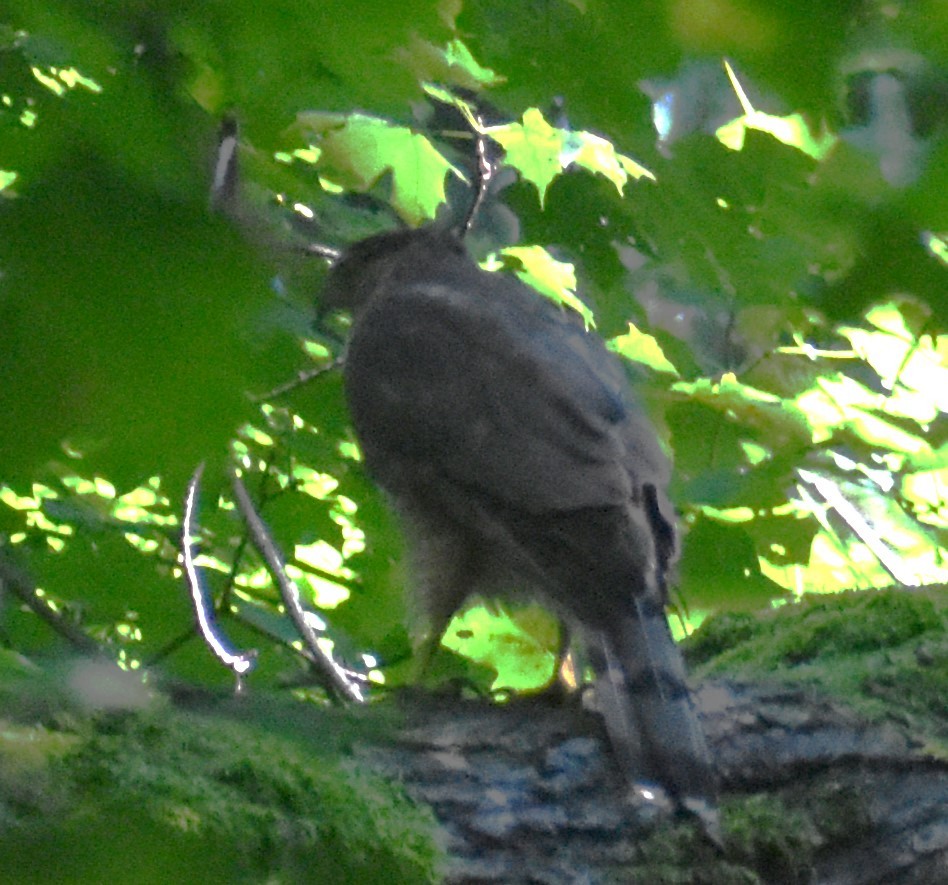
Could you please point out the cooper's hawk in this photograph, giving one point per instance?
(520, 462)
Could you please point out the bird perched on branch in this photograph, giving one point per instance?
(519, 461)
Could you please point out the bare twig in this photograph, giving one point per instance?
(225, 198)
(314, 675)
(169, 648)
(300, 379)
(859, 525)
(337, 680)
(485, 171)
(173, 645)
(224, 184)
(26, 590)
(321, 251)
(241, 663)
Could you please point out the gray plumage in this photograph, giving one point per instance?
(520, 462)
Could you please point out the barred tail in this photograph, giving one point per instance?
(649, 714)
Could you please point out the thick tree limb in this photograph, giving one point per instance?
(527, 793)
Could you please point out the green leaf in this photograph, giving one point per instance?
(838, 402)
(594, 153)
(555, 279)
(720, 568)
(152, 331)
(792, 130)
(540, 152)
(454, 64)
(927, 492)
(640, 347)
(357, 150)
(533, 147)
(782, 420)
(520, 646)
(904, 363)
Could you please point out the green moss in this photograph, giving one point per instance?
(678, 855)
(259, 790)
(817, 627)
(774, 840)
(27, 786)
(719, 634)
(165, 795)
(765, 840)
(885, 653)
(840, 812)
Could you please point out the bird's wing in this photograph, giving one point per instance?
(500, 392)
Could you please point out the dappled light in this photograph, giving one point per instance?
(745, 201)
(858, 400)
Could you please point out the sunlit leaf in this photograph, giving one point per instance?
(555, 279)
(453, 64)
(533, 147)
(792, 130)
(592, 152)
(937, 245)
(540, 152)
(900, 359)
(520, 646)
(357, 150)
(323, 593)
(839, 402)
(641, 347)
(927, 491)
(783, 419)
(732, 514)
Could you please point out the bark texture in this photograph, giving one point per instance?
(527, 793)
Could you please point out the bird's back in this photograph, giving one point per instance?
(519, 458)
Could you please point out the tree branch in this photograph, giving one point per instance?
(241, 663)
(341, 683)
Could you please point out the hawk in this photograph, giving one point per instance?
(520, 462)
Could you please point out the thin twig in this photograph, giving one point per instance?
(859, 525)
(485, 172)
(169, 648)
(241, 663)
(314, 676)
(321, 251)
(245, 537)
(21, 585)
(224, 183)
(173, 645)
(301, 378)
(335, 678)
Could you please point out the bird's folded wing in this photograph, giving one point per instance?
(498, 391)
